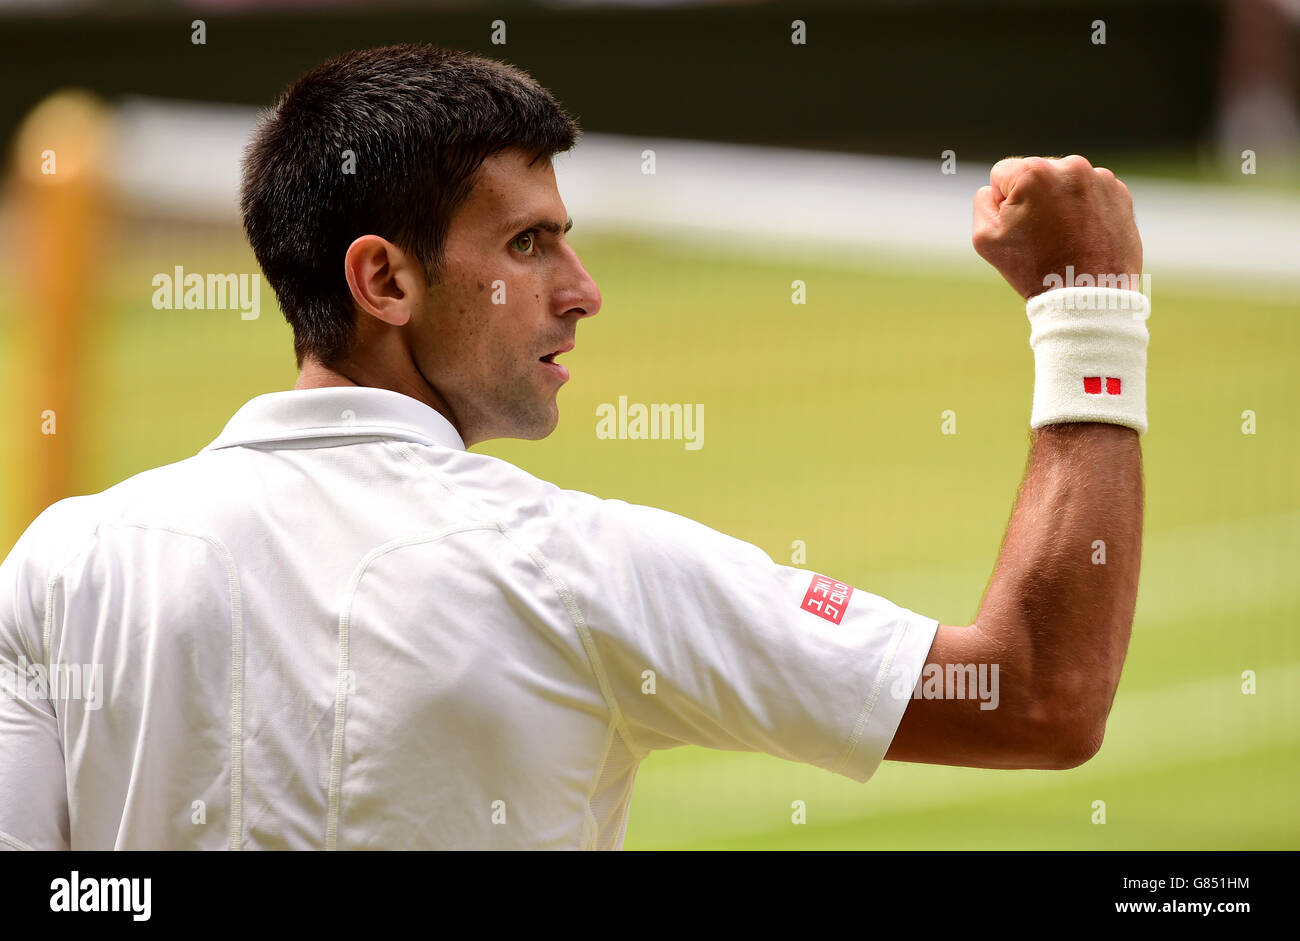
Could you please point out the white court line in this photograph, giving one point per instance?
(882, 207)
(182, 159)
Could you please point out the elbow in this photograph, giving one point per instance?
(1058, 739)
(1076, 746)
(1066, 718)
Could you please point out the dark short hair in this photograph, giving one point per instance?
(419, 121)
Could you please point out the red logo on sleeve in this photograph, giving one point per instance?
(827, 598)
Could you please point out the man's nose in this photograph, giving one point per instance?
(580, 292)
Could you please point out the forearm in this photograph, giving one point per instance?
(1057, 614)
(1061, 601)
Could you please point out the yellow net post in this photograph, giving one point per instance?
(58, 179)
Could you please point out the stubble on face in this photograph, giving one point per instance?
(487, 321)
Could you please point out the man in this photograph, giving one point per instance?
(336, 627)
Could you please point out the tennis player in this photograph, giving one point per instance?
(337, 627)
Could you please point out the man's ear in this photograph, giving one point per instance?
(385, 281)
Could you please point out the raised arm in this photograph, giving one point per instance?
(1058, 612)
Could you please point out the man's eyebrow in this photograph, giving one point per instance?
(524, 223)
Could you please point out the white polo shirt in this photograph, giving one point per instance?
(334, 627)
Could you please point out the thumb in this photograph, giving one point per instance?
(986, 208)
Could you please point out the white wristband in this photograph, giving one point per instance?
(1090, 356)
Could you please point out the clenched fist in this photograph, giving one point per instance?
(1041, 215)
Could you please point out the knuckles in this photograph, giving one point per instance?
(1073, 171)
(1073, 175)
(1071, 202)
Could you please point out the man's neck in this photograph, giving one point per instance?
(316, 375)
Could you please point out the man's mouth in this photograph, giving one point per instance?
(556, 368)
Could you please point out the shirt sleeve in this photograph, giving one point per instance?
(33, 791)
(705, 640)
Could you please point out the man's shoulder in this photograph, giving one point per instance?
(66, 526)
(580, 525)
(519, 495)
(504, 491)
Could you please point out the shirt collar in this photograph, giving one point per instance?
(336, 412)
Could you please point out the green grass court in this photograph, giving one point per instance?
(822, 424)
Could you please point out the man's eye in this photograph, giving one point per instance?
(524, 242)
